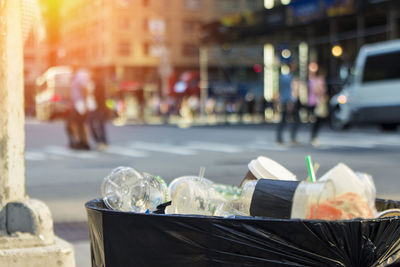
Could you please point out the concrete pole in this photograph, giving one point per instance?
(26, 226)
(12, 139)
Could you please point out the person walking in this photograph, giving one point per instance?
(75, 122)
(318, 102)
(288, 98)
(97, 116)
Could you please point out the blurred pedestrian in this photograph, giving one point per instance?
(97, 116)
(318, 101)
(288, 98)
(75, 122)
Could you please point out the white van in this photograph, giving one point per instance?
(52, 94)
(372, 93)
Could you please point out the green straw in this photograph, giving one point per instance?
(310, 168)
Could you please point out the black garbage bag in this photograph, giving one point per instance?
(132, 239)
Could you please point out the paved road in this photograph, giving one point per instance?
(66, 179)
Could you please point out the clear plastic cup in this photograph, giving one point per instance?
(309, 201)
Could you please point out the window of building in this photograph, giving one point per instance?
(190, 26)
(193, 4)
(146, 49)
(124, 23)
(124, 48)
(124, 3)
(146, 25)
(227, 5)
(29, 57)
(190, 50)
(252, 4)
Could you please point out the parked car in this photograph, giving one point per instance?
(372, 93)
(52, 94)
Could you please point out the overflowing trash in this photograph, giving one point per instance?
(267, 190)
(271, 219)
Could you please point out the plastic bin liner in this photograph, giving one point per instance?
(131, 239)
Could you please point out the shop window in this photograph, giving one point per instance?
(227, 5)
(124, 48)
(190, 26)
(190, 50)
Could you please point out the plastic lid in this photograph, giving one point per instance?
(264, 167)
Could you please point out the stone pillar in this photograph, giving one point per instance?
(26, 226)
(12, 139)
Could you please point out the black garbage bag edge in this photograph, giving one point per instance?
(244, 241)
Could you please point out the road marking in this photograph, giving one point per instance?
(341, 144)
(268, 147)
(166, 148)
(119, 150)
(29, 155)
(62, 151)
(211, 146)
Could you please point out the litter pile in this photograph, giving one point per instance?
(267, 190)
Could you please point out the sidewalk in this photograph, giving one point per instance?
(77, 233)
(82, 253)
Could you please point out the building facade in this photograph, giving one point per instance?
(323, 31)
(35, 51)
(125, 38)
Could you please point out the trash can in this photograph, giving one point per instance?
(132, 239)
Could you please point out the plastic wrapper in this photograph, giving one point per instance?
(133, 239)
(351, 187)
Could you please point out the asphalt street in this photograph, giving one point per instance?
(66, 179)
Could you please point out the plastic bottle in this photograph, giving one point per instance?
(196, 195)
(126, 189)
(240, 206)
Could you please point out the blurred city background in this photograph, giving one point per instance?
(186, 58)
(213, 68)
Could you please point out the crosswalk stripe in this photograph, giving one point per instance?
(29, 155)
(62, 151)
(261, 144)
(211, 146)
(268, 147)
(141, 149)
(330, 142)
(166, 148)
(118, 150)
